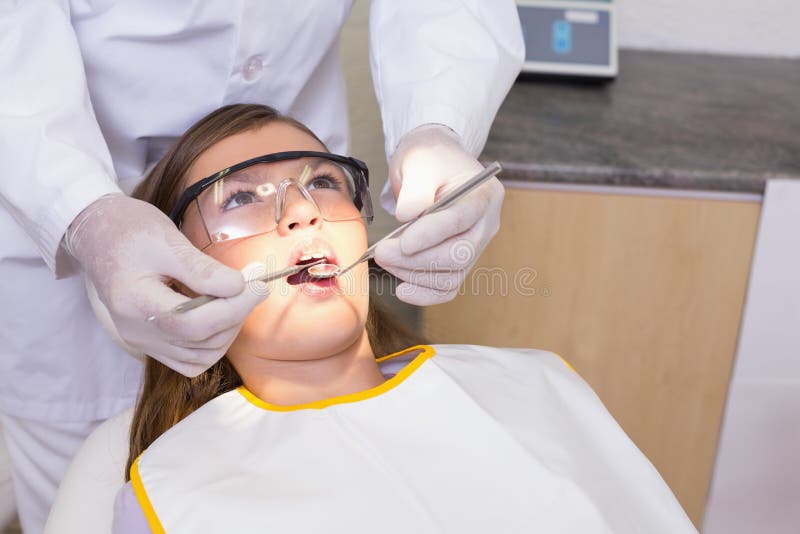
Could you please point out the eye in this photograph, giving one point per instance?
(238, 199)
(325, 181)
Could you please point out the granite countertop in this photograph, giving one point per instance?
(678, 121)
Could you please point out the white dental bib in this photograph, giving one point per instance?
(473, 439)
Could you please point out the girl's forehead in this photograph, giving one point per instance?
(269, 139)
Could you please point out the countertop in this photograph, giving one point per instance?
(676, 121)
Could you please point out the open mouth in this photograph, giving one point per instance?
(304, 277)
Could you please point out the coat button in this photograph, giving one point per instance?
(252, 68)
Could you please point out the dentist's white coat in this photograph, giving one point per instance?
(94, 91)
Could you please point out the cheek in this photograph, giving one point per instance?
(354, 284)
(261, 326)
(238, 254)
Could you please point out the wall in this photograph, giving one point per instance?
(742, 27)
(756, 484)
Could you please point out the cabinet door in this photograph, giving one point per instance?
(642, 295)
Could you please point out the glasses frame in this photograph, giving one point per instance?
(362, 186)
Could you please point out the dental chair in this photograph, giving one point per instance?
(85, 500)
(7, 506)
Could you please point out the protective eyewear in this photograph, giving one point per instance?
(250, 197)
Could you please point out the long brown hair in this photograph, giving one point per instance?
(167, 396)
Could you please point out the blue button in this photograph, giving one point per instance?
(562, 37)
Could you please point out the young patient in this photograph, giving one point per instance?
(325, 417)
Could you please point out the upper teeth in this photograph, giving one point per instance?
(314, 256)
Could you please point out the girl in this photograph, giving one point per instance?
(324, 416)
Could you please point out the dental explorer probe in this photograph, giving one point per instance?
(203, 299)
(329, 270)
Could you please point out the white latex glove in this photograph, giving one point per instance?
(130, 251)
(434, 255)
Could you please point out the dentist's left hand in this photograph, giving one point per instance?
(130, 251)
(434, 255)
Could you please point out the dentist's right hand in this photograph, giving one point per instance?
(130, 252)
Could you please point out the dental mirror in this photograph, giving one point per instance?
(328, 270)
(324, 270)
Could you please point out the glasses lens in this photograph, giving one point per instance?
(332, 186)
(244, 203)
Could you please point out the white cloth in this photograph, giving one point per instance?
(40, 454)
(7, 502)
(56, 361)
(93, 92)
(471, 439)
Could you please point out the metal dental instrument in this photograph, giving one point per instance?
(319, 269)
(269, 277)
(329, 270)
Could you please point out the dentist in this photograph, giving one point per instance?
(94, 92)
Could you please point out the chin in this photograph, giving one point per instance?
(303, 336)
(326, 343)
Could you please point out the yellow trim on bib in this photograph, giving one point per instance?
(405, 372)
(566, 363)
(144, 500)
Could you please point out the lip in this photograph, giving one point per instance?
(320, 290)
(312, 245)
(303, 282)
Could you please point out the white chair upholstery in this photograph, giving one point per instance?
(7, 507)
(85, 499)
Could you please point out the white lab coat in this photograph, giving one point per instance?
(463, 439)
(152, 68)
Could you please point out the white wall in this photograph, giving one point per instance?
(742, 27)
(756, 484)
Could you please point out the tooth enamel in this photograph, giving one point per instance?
(311, 256)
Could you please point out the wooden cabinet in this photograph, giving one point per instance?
(643, 295)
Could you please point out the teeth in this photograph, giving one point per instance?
(314, 256)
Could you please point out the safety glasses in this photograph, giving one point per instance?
(249, 198)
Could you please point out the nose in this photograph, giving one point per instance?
(298, 213)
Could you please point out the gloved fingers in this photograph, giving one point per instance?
(415, 195)
(423, 296)
(444, 281)
(200, 272)
(204, 358)
(185, 360)
(194, 326)
(136, 300)
(457, 252)
(218, 342)
(188, 362)
(453, 220)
